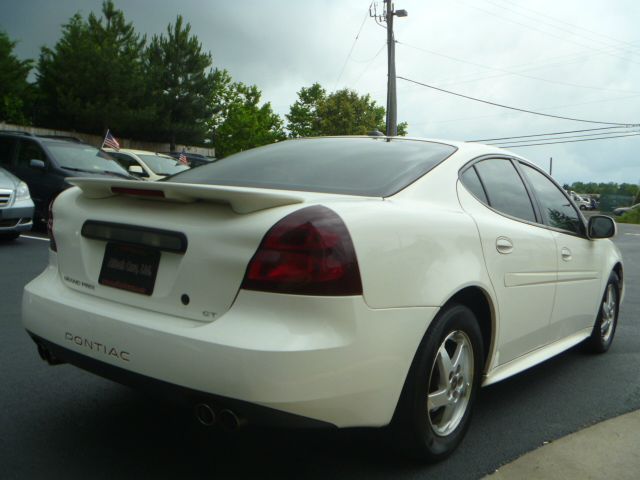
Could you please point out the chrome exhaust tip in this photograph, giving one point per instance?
(205, 414)
(47, 356)
(230, 421)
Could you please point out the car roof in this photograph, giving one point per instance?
(42, 138)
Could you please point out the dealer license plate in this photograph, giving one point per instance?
(129, 267)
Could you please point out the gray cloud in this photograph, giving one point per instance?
(283, 45)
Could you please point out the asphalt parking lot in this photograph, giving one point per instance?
(61, 422)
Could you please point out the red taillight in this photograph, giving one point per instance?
(52, 240)
(309, 252)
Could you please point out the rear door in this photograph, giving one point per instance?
(520, 254)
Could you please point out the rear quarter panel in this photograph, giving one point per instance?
(415, 252)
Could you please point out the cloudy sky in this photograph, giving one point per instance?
(570, 58)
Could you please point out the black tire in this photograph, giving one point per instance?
(7, 237)
(420, 428)
(607, 320)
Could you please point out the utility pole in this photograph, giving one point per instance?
(551, 166)
(392, 107)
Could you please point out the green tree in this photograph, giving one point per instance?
(303, 117)
(180, 83)
(630, 189)
(246, 124)
(602, 188)
(13, 82)
(578, 187)
(224, 94)
(93, 77)
(343, 112)
(346, 113)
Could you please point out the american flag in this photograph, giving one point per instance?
(183, 158)
(110, 141)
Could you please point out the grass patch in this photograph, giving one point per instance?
(632, 216)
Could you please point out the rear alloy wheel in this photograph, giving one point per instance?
(450, 383)
(435, 409)
(607, 320)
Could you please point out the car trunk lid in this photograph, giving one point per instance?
(177, 249)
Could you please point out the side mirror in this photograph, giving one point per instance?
(601, 226)
(137, 170)
(37, 164)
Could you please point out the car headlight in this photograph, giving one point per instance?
(22, 192)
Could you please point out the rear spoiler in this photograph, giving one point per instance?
(241, 199)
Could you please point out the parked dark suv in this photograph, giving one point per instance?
(44, 164)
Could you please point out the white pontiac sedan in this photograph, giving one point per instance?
(329, 282)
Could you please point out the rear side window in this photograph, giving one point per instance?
(6, 150)
(30, 151)
(505, 190)
(557, 210)
(353, 166)
(471, 180)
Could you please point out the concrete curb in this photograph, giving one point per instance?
(608, 450)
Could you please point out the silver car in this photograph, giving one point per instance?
(622, 210)
(16, 206)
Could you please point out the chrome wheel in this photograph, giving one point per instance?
(609, 306)
(450, 383)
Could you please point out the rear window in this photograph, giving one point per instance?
(353, 166)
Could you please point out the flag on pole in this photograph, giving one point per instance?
(110, 141)
(183, 158)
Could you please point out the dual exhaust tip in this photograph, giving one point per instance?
(204, 412)
(48, 356)
(226, 418)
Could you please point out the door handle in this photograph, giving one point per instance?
(504, 245)
(566, 254)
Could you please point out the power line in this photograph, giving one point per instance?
(508, 72)
(565, 138)
(571, 141)
(369, 64)
(346, 60)
(568, 60)
(547, 33)
(543, 134)
(555, 107)
(557, 20)
(515, 108)
(371, 59)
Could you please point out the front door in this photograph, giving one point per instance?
(578, 293)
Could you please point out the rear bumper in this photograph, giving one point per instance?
(255, 414)
(331, 361)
